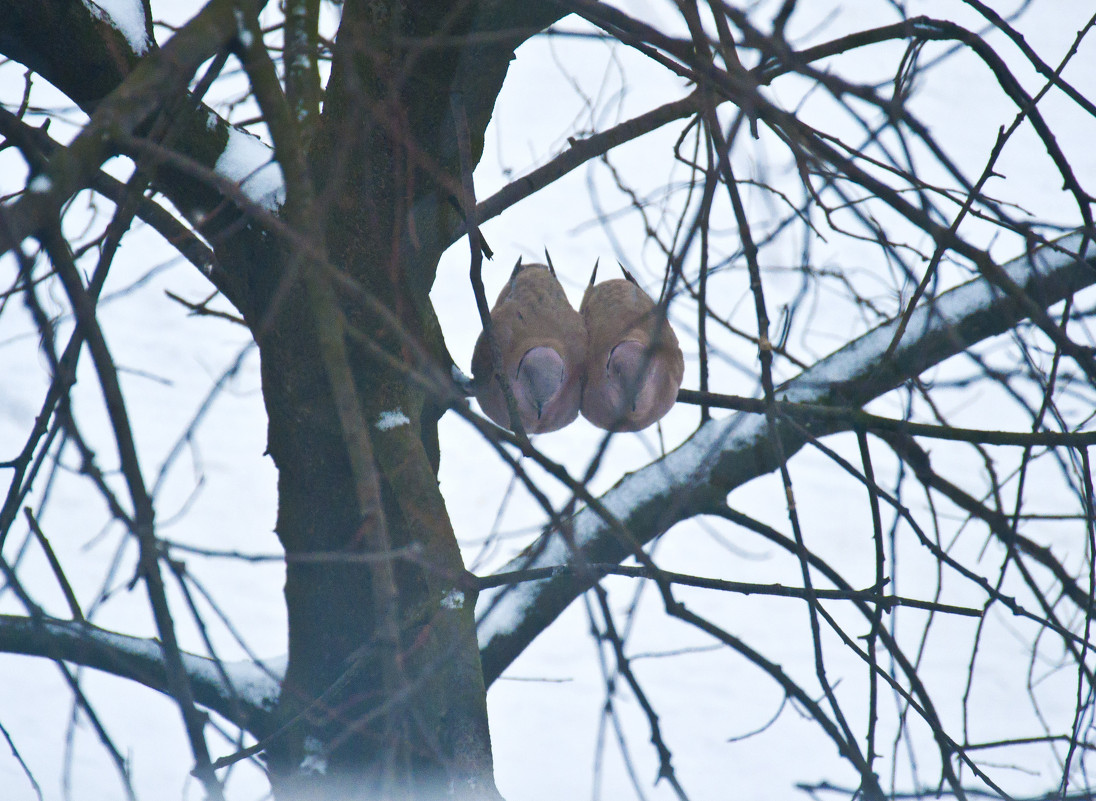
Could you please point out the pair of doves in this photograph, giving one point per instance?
(616, 359)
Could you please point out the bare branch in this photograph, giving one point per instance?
(247, 703)
(726, 453)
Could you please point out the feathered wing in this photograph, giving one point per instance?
(634, 365)
(542, 340)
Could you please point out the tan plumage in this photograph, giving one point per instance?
(543, 344)
(634, 365)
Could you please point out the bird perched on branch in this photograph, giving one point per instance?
(634, 365)
(542, 342)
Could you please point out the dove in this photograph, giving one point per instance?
(634, 365)
(542, 341)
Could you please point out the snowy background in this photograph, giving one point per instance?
(730, 729)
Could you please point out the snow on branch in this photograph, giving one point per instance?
(724, 454)
(247, 699)
(248, 161)
(125, 16)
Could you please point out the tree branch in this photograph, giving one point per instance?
(724, 454)
(247, 703)
(164, 73)
(86, 63)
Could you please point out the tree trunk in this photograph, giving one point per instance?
(384, 694)
(372, 711)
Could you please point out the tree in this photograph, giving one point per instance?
(326, 234)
